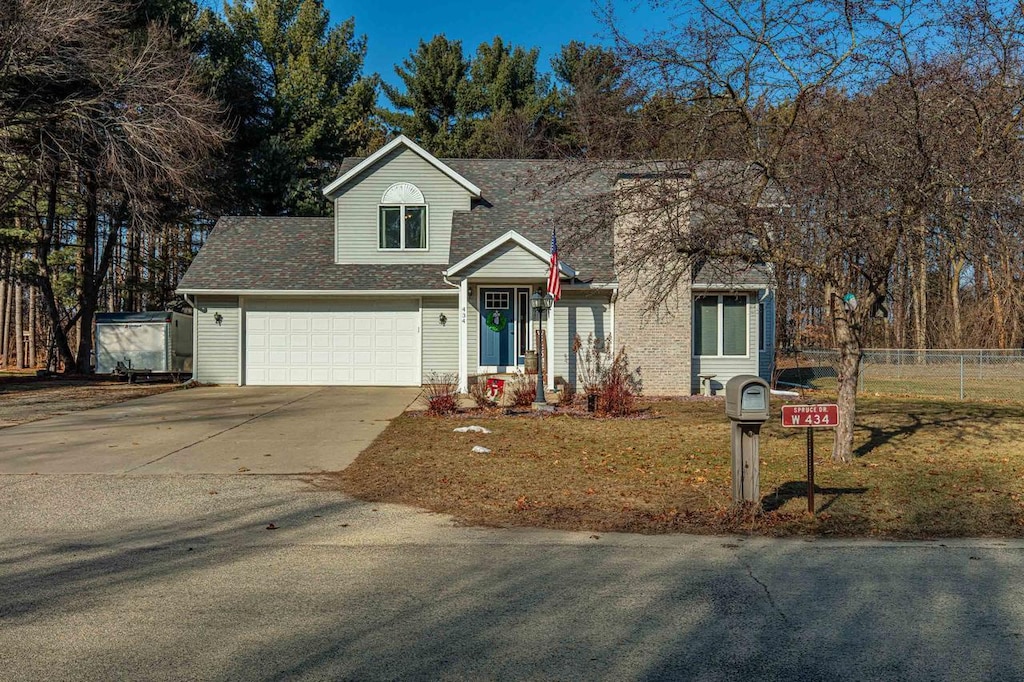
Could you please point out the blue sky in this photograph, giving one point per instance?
(394, 28)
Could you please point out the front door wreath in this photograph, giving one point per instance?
(496, 321)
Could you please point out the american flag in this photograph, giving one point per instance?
(554, 284)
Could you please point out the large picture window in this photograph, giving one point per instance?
(720, 325)
(403, 227)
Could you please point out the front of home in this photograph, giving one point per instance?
(428, 266)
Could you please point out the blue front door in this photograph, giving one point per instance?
(497, 327)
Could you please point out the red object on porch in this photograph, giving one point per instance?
(495, 387)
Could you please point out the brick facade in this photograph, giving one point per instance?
(657, 338)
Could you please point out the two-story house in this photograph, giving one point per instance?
(428, 266)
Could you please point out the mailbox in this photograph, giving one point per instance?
(746, 398)
(746, 406)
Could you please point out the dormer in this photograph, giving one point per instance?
(396, 207)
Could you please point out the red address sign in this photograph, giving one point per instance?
(810, 416)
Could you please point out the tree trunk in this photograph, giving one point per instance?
(849, 347)
(19, 327)
(920, 286)
(957, 266)
(32, 322)
(45, 280)
(998, 316)
(4, 294)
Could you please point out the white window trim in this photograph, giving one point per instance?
(401, 208)
(721, 325)
(530, 326)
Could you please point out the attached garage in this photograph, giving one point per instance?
(319, 342)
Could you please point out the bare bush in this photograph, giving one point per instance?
(441, 393)
(619, 387)
(593, 359)
(521, 390)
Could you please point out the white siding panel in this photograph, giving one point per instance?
(583, 314)
(356, 210)
(766, 360)
(217, 344)
(440, 342)
(509, 263)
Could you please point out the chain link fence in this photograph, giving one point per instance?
(964, 374)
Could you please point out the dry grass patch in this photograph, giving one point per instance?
(26, 398)
(923, 469)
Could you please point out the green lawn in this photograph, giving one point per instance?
(924, 468)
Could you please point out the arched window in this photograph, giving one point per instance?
(403, 218)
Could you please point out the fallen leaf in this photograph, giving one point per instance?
(271, 527)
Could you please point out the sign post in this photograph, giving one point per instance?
(810, 417)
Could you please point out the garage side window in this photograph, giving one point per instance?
(402, 218)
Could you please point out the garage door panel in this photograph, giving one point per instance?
(322, 342)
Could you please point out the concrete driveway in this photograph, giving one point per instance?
(211, 430)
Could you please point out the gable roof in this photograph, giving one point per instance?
(292, 254)
(401, 140)
(515, 238)
(528, 196)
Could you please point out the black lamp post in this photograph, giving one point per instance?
(541, 303)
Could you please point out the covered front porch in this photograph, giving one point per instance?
(497, 326)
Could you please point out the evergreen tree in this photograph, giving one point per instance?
(595, 101)
(295, 93)
(436, 107)
(514, 105)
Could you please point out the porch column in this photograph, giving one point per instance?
(549, 330)
(464, 336)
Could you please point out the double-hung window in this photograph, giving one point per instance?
(403, 227)
(720, 325)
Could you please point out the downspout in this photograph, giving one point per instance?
(195, 335)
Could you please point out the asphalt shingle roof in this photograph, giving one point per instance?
(528, 196)
(291, 254)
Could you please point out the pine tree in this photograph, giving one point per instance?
(295, 93)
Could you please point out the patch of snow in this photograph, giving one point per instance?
(785, 394)
(481, 450)
(471, 429)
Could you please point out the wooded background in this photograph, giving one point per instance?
(892, 128)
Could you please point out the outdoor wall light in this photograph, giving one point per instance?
(218, 318)
(443, 319)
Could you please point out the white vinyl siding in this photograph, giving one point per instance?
(508, 263)
(440, 341)
(216, 358)
(357, 235)
(724, 367)
(343, 341)
(766, 356)
(581, 313)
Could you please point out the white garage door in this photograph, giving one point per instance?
(341, 342)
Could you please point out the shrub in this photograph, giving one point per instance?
(521, 390)
(619, 387)
(441, 393)
(592, 362)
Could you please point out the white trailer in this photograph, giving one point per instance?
(155, 342)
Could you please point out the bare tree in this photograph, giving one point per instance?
(103, 122)
(832, 143)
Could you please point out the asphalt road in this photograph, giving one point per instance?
(178, 578)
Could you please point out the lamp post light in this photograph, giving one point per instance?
(541, 303)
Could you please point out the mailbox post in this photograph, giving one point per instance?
(746, 405)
